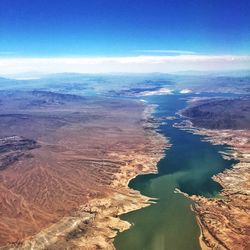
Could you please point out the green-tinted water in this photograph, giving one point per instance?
(188, 165)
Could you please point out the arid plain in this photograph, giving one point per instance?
(65, 164)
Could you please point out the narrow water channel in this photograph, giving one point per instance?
(188, 165)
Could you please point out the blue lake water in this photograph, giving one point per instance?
(188, 165)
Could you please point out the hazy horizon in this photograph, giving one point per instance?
(123, 36)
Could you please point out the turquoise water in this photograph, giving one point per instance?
(188, 165)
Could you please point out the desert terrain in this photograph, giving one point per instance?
(224, 220)
(65, 162)
(66, 159)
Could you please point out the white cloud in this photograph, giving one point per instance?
(168, 51)
(124, 64)
(185, 91)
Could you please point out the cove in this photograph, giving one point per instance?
(188, 165)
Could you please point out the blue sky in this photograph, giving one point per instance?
(124, 35)
(46, 28)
